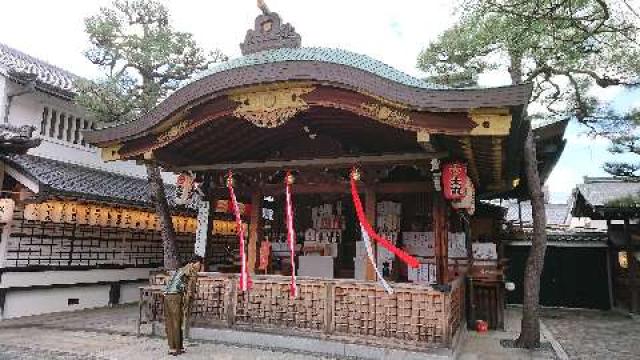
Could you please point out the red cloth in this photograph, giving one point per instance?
(402, 255)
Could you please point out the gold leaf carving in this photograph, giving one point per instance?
(386, 114)
(173, 132)
(270, 108)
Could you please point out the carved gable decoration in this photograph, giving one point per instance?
(386, 114)
(269, 33)
(270, 108)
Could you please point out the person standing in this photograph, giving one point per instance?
(177, 301)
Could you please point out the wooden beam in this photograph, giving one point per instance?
(255, 227)
(339, 162)
(337, 188)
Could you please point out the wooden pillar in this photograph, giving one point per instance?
(440, 235)
(255, 228)
(633, 268)
(370, 210)
(610, 261)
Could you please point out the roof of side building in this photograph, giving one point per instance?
(49, 78)
(57, 178)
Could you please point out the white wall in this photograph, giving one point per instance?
(130, 292)
(43, 301)
(3, 97)
(46, 278)
(21, 301)
(27, 110)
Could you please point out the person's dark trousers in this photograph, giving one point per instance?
(173, 313)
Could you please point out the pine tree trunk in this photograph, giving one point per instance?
(530, 332)
(159, 198)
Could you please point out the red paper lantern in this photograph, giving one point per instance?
(454, 180)
(184, 187)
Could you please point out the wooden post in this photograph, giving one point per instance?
(633, 268)
(255, 228)
(609, 255)
(370, 210)
(440, 235)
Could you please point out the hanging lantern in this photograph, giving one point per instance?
(468, 202)
(127, 219)
(45, 211)
(31, 212)
(94, 215)
(57, 211)
(70, 213)
(82, 215)
(6, 210)
(103, 219)
(184, 188)
(454, 180)
(115, 217)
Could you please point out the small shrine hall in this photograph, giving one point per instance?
(356, 187)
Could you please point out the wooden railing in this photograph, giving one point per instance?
(355, 310)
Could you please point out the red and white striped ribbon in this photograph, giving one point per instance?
(291, 237)
(245, 278)
(372, 260)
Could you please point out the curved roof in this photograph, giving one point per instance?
(340, 68)
(272, 54)
(323, 55)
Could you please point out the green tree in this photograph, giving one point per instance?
(564, 48)
(143, 60)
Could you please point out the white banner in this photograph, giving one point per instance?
(203, 224)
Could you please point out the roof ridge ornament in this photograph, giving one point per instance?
(269, 33)
(263, 6)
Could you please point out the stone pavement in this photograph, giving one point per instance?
(109, 334)
(486, 346)
(593, 334)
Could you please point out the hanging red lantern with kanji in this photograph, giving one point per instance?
(184, 188)
(454, 180)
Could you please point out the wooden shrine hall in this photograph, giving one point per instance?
(318, 113)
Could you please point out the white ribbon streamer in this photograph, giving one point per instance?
(367, 245)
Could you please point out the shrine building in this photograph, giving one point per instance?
(299, 135)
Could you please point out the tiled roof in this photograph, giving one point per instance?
(556, 213)
(325, 55)
(64, 179)
(601, 191)
(16, 64)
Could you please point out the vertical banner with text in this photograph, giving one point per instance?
(203, 226)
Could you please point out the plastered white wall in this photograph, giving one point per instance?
(27, 110)
(43, 301)
(130, 292)
(46, 278)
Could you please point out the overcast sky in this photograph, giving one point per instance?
(391, 31)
